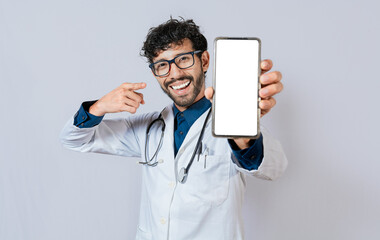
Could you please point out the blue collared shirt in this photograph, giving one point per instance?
(249, 158)
(184, 120)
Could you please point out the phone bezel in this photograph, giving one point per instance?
(215, 90)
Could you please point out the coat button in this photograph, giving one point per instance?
(162, 221)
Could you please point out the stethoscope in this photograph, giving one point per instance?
(183, 173)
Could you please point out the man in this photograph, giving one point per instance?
(207, 203)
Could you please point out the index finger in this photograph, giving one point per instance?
(134, 86)
(266, 65)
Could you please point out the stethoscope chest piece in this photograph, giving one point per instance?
(182, 175)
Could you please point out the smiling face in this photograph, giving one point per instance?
(184, 86)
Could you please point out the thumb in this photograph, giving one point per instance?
(209, 93)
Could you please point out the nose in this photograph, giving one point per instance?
(175, 72)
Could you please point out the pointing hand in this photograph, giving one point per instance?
(122, 99)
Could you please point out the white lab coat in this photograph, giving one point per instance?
(208, 206)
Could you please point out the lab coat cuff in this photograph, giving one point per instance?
(84, 119)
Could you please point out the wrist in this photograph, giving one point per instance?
(243, 143)
(94, 110)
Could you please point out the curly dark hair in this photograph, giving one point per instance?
(173, 31)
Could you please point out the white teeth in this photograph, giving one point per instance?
(181, 85)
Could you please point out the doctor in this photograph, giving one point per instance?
(207, 203)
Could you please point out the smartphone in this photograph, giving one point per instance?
(236, 73)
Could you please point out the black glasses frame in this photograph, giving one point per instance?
(173, 61)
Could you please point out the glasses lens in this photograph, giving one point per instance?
(185, 60)
(182, 61)
(161, 68)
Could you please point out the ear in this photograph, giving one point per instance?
(205, 60)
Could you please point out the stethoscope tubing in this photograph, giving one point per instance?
(148, 162)
(184, 171)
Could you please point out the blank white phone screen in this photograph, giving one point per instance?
(236, 87)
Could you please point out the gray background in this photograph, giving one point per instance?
(56, 54)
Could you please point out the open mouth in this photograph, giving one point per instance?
(180, 86)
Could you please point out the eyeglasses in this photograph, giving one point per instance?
(182, 61)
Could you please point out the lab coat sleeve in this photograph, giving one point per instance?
(274, 162)
(121, 137)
